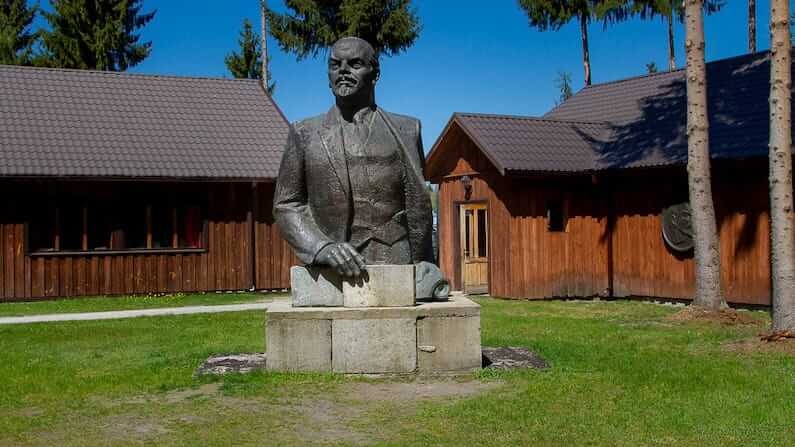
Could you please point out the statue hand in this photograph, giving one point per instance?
(342, 257)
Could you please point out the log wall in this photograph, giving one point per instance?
(226, 264)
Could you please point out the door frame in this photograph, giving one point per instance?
(458, 259)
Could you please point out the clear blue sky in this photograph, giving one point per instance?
(472, 56)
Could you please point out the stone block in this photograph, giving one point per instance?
(382, 286)
(315, 287)
(448, 343)
(298, 345)
(374, 346)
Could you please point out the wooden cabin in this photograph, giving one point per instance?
(569, 204)
(134, 184)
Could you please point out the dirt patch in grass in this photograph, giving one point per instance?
(756, 345)
(414, 391)
(204, 391)
(347, 414)
(725, 317)
(131, 428)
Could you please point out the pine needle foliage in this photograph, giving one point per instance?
(96, 34)
(563, 84)
(312, 26)
(17, 40)
(247, 64)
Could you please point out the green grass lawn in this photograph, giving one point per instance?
(622, 375)
(106, 303)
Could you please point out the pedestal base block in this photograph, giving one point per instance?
(298, 345)
(374, 346)
(431, 337)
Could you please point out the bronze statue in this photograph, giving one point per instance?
(351, 190)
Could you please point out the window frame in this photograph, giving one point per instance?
(127, 251)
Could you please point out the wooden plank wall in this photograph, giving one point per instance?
(525, 259)
(613, 235)
(274, 256)
(644, 266)
(226, 265)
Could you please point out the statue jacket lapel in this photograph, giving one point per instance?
(331, 139)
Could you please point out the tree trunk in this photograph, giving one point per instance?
(707, 257)
(671, 54)
(586, 56)
(781, 228)
(752, 26)
(263, 10)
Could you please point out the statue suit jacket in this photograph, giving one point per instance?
(312, 203)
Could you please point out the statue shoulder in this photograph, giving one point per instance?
(308, 124)
(405, 123)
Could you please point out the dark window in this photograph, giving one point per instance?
(556, 219)
(482, 233)
(42, 232)
(467, 232)
(138, 220)
(71, 226)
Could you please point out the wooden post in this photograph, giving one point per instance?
(148, 226)
(84, 243)
(174, 230)
(252, 234)
(56, 244)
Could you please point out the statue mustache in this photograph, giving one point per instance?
(347, 80)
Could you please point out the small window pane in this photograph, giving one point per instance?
(556, 221)
(467, 232)
(482, 233)
(71, 227)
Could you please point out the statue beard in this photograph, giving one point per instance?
(349, 94)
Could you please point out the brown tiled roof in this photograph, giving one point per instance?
(515, 143)
(633, 122)
(647, 115)
(80, 123)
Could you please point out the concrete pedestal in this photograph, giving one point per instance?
(436, 337)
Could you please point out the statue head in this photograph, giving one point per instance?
(353, 71)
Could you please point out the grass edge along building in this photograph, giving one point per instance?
(117, 183)
(570, 204)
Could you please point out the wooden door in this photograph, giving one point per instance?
(474, 247)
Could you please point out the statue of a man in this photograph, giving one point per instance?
(351, 190)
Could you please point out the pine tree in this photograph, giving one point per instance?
(247, 64)
(96, 34)
(554, 14)
(16, 38)
(752, 26)
(390, 26)
(563, 84)
(707, 255)
(780, 154)
(671, 10)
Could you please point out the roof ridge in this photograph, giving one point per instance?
(125, 74)
(528, 118)
(669, 72)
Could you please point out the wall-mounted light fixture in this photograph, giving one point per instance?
(466, 181)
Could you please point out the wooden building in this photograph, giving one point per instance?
(569, 204)
(131, 184)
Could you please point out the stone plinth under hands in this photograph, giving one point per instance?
(434, 337)
(379, 286)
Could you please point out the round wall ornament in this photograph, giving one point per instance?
(677, 227)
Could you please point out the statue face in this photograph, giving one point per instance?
(350, 69)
